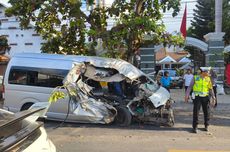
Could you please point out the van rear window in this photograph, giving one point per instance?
(36, 76)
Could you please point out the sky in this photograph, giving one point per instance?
(172, 24)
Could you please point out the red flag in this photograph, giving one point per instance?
(183, 23)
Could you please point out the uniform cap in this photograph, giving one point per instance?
(205, 69)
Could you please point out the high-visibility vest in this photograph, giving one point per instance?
(201, 86)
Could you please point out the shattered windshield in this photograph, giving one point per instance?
(152, 85)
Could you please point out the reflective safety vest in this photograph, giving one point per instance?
(201, 86)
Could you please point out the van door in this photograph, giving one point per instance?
(31, 84)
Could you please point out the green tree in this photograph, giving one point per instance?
(4, 45)
(226, 21)
(135, 20)
(202, 22)
(60, 22)
(63, 24)
(204, 19)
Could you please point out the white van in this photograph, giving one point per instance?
(31, 77)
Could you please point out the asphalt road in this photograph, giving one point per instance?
(72, 137)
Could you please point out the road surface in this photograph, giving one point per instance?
(148, 138)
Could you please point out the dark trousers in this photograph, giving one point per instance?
(214, 90)
(186, 87)
(197, 103)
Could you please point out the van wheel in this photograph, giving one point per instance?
(123, 118)
(26, 106)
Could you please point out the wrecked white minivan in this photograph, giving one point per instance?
(103, 90)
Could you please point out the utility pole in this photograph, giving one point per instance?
(218, 15)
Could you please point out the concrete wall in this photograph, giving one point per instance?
(19, 40)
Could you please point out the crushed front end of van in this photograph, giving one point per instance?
(102, 90)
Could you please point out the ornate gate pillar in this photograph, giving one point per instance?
(215, 57)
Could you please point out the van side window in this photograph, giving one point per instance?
(17, 77)
(37, 76)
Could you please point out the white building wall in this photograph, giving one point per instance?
(19, 40)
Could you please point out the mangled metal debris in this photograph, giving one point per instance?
(103, 90)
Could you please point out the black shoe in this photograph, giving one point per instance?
(206, 128)
(194, 130)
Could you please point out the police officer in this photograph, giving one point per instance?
(202, 87)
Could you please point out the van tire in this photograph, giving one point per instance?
(26, 106)
(124, 117)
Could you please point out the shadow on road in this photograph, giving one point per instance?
(219, 116)
(135, 126)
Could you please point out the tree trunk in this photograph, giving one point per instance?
(139, 4)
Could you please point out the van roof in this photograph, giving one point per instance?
(122, 66)
(52, 56)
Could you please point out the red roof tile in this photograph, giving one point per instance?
(161, 54)
(4, 58)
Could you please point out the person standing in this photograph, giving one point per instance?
(213, 77)
(159, 76)
(187, 80)
(137, 59)
(166, 80)
(202, 87)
